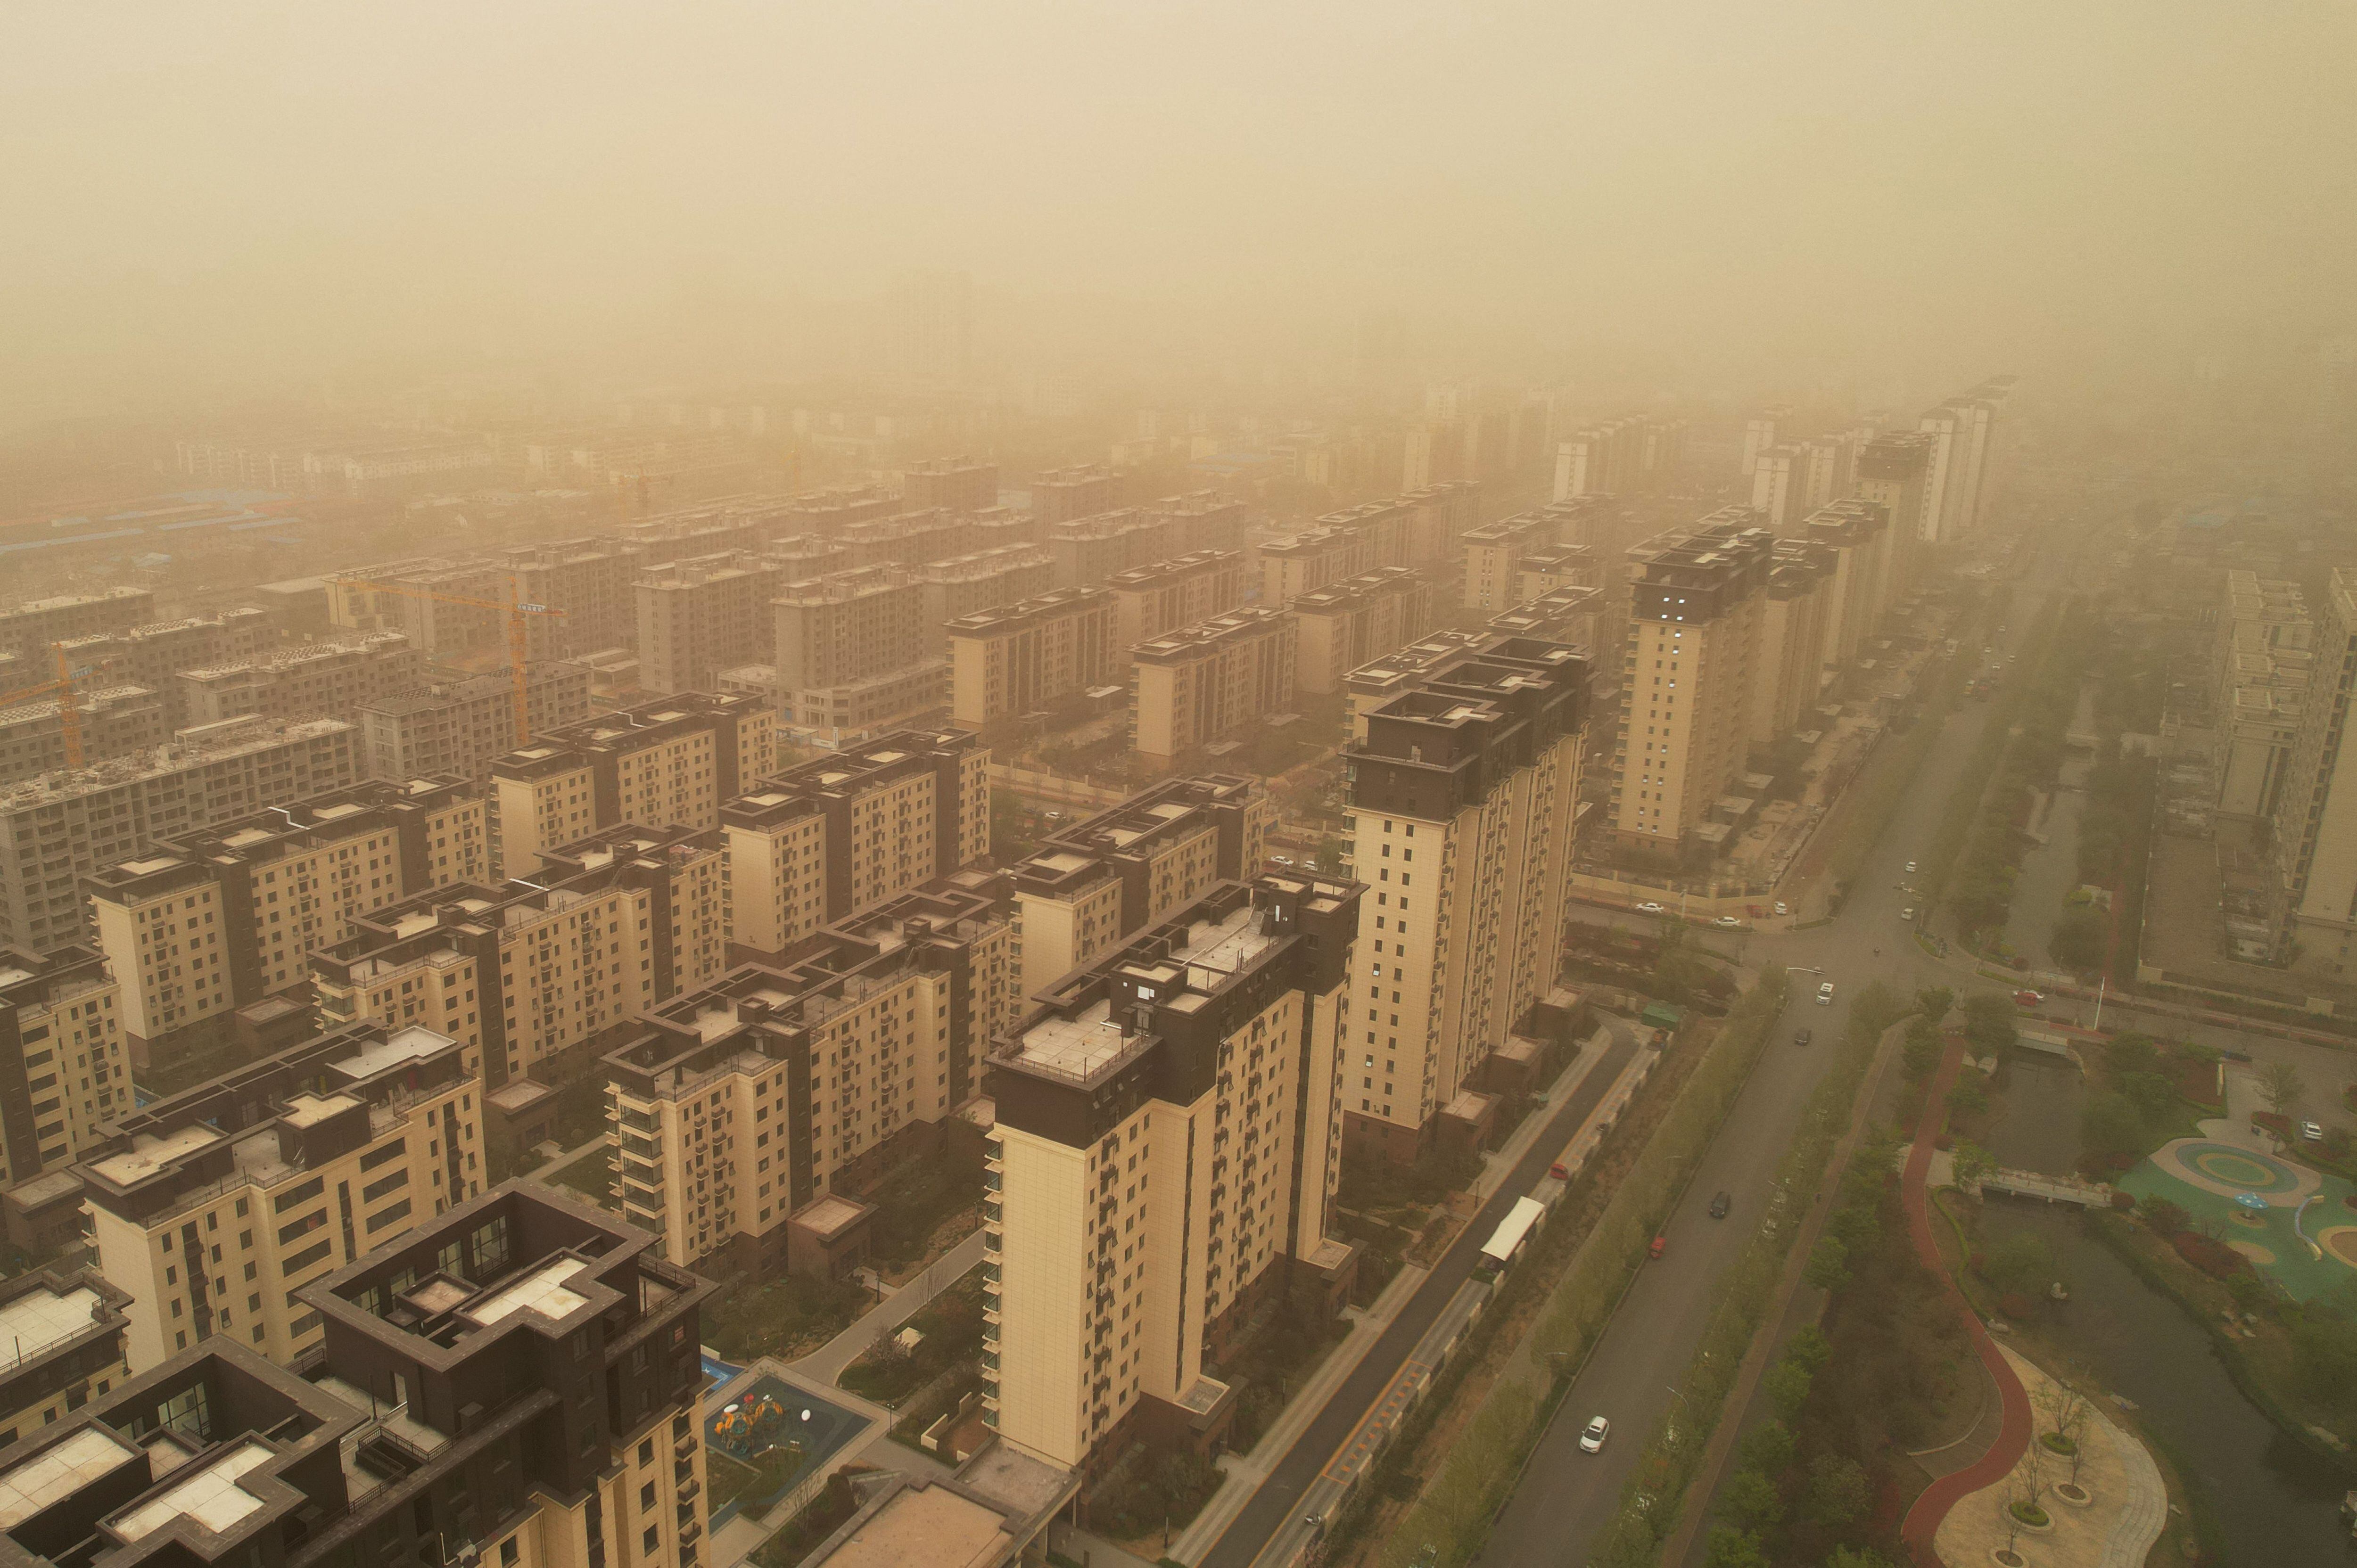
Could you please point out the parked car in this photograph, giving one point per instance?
(1649, 908)
(2311, 1131)
(1592, 1436)
(1781, 909)
(1559, 1171)
(1661, 1245)
(1720, 1205)
(1727, 920)
(2027, 999)
(1908, 913)
(1801, 1036)
(1910, 869)
(1825, 994)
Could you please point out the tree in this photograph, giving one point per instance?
(2064, 1411)
(1968, 1099)
(1856, 1557)
(1734, 1548)
(1970, 1163)
(2109, 1125)
(2080, 939)
(2324, 1349)
(2280, 1085)
(2131, 1053)
(1751, 1500)
(1810, 1348)
(1933, 1001)
(1787, 1383)
(2167, 1218)
(1920, 1055)
(1838, 1492)
(1768, 1448)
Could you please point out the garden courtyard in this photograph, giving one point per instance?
(2296, 1226)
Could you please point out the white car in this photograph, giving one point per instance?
(1649, 908)
(1825, 994)
(1781, 909)
(1910, 869)
(1908, 913)
(2311, 1131)
(1592, 1436)
(1727, 920)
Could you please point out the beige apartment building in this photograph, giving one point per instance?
(1162, 596)
(1694, 656)
(1468, 774)
(205, 924)
(1059, 495)
(850, 626)
(2315, 839)
(1857, 535)
(752, 1111)
(66, 1335)
(1208, 682)
(214, 1205)
(1493, 556)
(462, 725)
(2266, 658)
(1308, 559)
(670, 762)
(523, 972)
(819, 842)
(64, 1075)
(1792, 639)
(153, 655)
(1007, 663)
(109, 722)
(61, 827)
(26, 630)
(591, 580)
(699, 616)
(1110, 875)
(316, 680)
(1168, 1143)
(1089, 549)
(983, 580)
(1347, 623)
(961, 484)
(1894, 471)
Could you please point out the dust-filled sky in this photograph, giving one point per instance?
(205, 193)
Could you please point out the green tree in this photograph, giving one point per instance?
(2080, 939)
(2279, 1083)
(1787, 1383)
(1856, 1557)
(1768, 1448)
(2166, 1217)
(1970, 1161)
(2021, 1263)
(1734, 1548)
(1933, 1003)
(1968, 1098)
(2109, 1125)
(1838, 1492)
(2324, 1349)
(1810, 1348)
(2131, 1053)
(1919, 1057)
(1751, 1501)
(1989, 1021)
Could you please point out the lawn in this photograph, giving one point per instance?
(921, 1197)
(951, 1325)
(785, 1315)
(591, 1175)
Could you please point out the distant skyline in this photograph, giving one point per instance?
(236, 195)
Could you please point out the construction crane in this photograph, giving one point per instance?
(61, 690)
(518, 611)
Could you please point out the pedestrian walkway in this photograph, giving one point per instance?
(2121, 1508)
(826, 1362)
(1931, 1507)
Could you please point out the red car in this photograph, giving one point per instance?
(1557, 1171)
(1661, 1245)
(2027, 998)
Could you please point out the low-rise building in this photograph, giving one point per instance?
(752, 1111)
(214, 1205)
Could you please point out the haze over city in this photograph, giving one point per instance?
(1301, 786)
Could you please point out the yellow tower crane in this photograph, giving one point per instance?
(518, 611)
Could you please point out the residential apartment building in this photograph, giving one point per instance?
(909, 539)
(214, 1205)
(463, 724)
(819, 842)
(848, 627)
(26, 630)
(64, 1074)
(396, 596)
(514, 1382)
(1345, 624)
(61, 827)
(1468, 774)
(1307, 560)
(1110, 875)
(1059, 495)
(671, 762)
(201, 925)
(1088, 551)
(1894, 470)
(1007, 663)
(699, 616)
(1630, 456)
(108, 722)
(2266, 659)
(153, 655)
(1791, 640)
(316, 680)
(959, 483)
(1493, 555)
(964, 584)
(1162, 596)
(2315, 838)
(1857, 535)
(65, 1335)
(523, 971)
(751, 1111)
(1203, 1051)
(592, 580)
(1698, 599)
(1208, 682)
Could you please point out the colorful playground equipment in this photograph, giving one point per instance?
(749, 1427)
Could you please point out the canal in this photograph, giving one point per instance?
(2274, 1500)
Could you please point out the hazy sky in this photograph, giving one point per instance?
(206, 189)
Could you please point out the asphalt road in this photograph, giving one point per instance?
(1278, 1496)
(1566, 1497)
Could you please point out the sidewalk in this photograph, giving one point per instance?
(826, 1364)
(1245, 1472)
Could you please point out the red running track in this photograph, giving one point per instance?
(1923, 1521)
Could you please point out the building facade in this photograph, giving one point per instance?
(1004, 663)
(463, 724)
(1347, 623)
(1208, 682)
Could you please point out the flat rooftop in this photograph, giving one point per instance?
(209, 1495)
(58, 1472)
(543, 1290)
(40, 1318)
(927, 1526)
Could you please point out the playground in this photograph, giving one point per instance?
(2296, 1226)
(767, 1441)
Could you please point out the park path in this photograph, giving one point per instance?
(826, 1363)
(1932, 1505)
